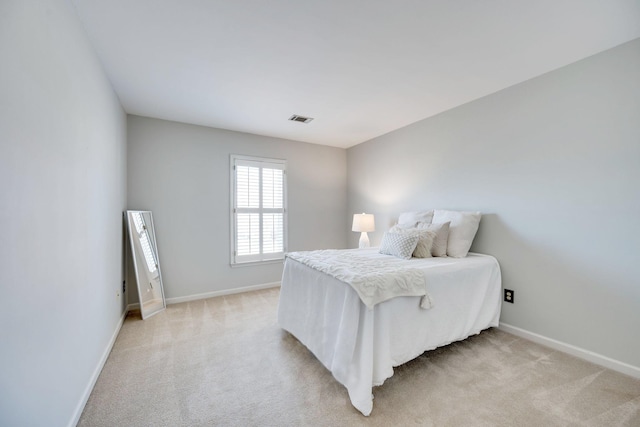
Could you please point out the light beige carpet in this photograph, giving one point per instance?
(225, 362)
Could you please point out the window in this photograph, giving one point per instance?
(258, 204)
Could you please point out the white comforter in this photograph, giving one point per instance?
(360, 345)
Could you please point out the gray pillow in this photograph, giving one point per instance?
(425, 239)
(398, 245)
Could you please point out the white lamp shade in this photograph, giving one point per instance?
(363, 222)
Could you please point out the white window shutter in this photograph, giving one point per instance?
(258, 209)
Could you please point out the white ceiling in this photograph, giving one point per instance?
(360, 68)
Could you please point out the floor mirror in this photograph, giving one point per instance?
(146, 264)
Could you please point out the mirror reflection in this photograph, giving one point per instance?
(145, 262)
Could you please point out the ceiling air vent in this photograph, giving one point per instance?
(301, 119)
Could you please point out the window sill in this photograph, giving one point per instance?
(256, 263)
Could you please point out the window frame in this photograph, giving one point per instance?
(262, 163)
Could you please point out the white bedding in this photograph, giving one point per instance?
(375, 279)
(361, 345)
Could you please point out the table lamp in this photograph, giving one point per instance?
(363, 223)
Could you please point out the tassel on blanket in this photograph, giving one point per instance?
(425, 302)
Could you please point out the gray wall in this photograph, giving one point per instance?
(62, 192)
(554, 165)
(181, 173)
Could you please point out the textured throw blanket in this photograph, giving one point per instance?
(375, 279)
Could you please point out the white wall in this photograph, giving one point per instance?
(554, 164)
(180, 172)
(62, 192)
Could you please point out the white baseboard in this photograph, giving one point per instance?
(96, 373)
(587, 355)
(223, 292)
(212, 294)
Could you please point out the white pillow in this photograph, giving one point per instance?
(425, 239)
(399, 245)
(462, 230)
(412, 218)
(439, 245)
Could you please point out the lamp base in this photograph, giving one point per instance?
(364, 240)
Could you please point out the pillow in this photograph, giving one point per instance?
(399, 245)
(462, 230)
(425, 239)
(439, 245)
(412, 218)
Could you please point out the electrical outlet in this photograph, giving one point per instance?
(509, 296)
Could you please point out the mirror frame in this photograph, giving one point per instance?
(138, 268)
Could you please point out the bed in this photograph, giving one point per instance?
(361, 343)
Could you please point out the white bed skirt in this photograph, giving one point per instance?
(360, 346)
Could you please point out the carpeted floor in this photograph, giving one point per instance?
(225, 362)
